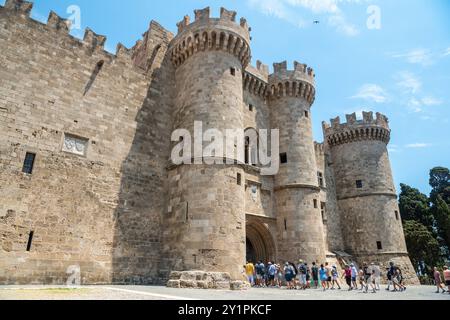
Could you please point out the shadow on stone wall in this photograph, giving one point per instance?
(143, 188)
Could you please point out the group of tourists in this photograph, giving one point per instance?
(440, 281)
(302, 276)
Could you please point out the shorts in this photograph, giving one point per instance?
(354, 279)
(251, 279)
(335, 278)
(271, 277)
(259, 276)
(316, 278)
(329, 279)
(308, 277)
(447, 282)
(288, 277)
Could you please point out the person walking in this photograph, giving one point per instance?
(308, 276)
(250, 272)
(315, 275)
(447, 278)
(272, 271)
(367, 276)
(376, 268)
(260, 268)
(289, 275)
(323, 277)
(391, 276)
(328, 271)
(347, 274)
(438, 280)
(398, 280)
(279, 276)
(302, 275)
(335, 277)
(361, 279)
(354, 275)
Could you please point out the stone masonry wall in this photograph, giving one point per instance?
(52, 84)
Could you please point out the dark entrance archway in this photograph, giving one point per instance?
(259, 243)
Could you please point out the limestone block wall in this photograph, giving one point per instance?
(300, 231)
(99, 210)
(329, 206)
(259, 195)
(205, 220)
(255, 83)
(209, 55)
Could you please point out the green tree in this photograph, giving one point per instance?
(440, 182)
(415, 206)
(441, 211)
(422, 244)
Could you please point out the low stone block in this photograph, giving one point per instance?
(173, 284)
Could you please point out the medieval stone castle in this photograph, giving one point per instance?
(85, 178)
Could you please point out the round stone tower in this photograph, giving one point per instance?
(205, 226)
(297, 192)
(366, 195)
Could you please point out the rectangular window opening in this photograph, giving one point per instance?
(359, 184)
(283, 158)
(397, 216)
(233, 71)
(320, 178)
(379, 245)
(322, 210)
(315, 204)
(30, 240)
(239, 179)
(187, 212)
(285, 224)
(250, 107)
(306, 114)
(28, 163)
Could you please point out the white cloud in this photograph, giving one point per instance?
(431, 101)
(371, 92)
(416, 105)
(418, 145)
(417, 56)
(447, 52)
(301, 13)
(408, 82)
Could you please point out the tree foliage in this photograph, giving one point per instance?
(422, 244)
(415, 206)
(426, 220)
(440, 182)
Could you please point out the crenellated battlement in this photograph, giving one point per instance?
(299, 82)
(56, 22)
(369, 128)
(20, 6)
(256, 79)
(92, 43)
(319, 148)
(207, 33)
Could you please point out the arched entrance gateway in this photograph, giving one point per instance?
(259, 243)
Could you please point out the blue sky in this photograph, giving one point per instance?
(401, 69)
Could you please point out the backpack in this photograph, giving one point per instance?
(289, 270)
(302, 269)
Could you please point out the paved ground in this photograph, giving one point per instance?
(162, 293)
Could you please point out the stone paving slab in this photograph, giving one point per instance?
(163, 293)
